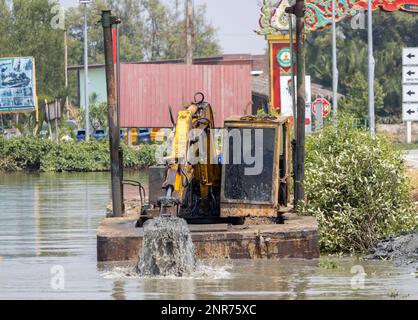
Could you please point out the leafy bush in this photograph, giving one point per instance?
(139, 157)
(356, 188)
(26, 152)
(8, 164)
(30, 153)
(86, 156)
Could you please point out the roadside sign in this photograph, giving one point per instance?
(410, 112)
(17, 85)
(319, 115)
(410, 56)
(308, 115)
(324, 104)
(410, 74)
(409, 89)
(410, 93)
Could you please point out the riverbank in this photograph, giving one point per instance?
(35, 154)
(402, 250)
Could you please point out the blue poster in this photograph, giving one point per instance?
(17, 85)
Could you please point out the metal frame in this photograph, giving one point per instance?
(275, 171)
(242, 208)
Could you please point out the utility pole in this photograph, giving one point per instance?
(86, 71)
(371, 70)
(293, 72)
(334, 61)
(66, 72)
(114, 136)
(189, 32)
(118, 71)
(299, 11)
(118, 109)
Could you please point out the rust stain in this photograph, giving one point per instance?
(118, 240)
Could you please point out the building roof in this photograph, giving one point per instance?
(320, 90)
(220, 59)
(261, 85)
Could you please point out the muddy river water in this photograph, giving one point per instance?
(48, 251)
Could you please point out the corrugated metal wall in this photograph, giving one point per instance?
(148, 90)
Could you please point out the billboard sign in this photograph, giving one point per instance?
(286, 107)
(17, 85)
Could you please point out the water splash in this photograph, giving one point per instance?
(209, 271)
(203, 271)
(167, 249)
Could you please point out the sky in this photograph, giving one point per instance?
(235, 21)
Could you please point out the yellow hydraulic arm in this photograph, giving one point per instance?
(191, 160)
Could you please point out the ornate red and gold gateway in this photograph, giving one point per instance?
(274, 25)
(389, 5)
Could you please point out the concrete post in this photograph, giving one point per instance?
(409, 132)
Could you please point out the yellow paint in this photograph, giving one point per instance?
(180, 170)
(182, 134)
(279, 38)
(178, 185)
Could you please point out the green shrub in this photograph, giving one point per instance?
(8, 164)
(26, 152)
(85, 156)
(356, 188)
(43, 155)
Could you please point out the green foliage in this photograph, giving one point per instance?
(392, 31)
(143, 156)
(150, 30)
(26, 152)
(8, 164)
(86, 156)
(357, 97)
(356, 188)
(43, 155)
(25, 30)
(98, 113)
